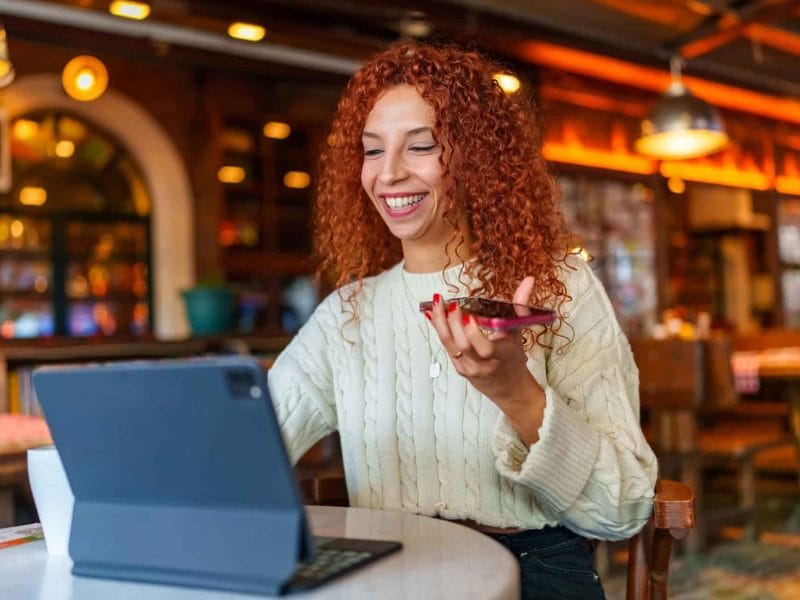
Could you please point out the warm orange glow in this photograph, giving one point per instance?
(790, 166)
(277, 130)
(25, 129)
(129, 9)
(582, 253)
(676, 185)
(712, 174)
(509, 83)
(32, 196)
(65, 149)
(231, 174)
(249, 32)
(602, 159)
(657, 80)
(787, 185)
(681, 144)
(85, 78)
(619, 138)
(40, 284)
(780, 39)
(297, 180)
(7, 329)
(17, 228)
(593, 101)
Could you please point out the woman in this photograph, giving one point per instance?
(433, 186)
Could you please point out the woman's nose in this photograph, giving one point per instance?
(393, 168)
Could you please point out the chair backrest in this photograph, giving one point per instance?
(671, 372)
(649, 551)
(720, 387)
(672, 387)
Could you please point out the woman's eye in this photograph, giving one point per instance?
(425, 148)
(372, 152)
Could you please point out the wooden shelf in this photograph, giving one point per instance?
(25, 254)
(75, 349)
(244, 262)
(27, 293)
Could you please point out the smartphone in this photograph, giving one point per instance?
(499, 315)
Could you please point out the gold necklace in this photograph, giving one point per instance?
(435, 368)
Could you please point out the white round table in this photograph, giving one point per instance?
(438, 560)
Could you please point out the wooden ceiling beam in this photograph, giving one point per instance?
(656, 80)
(728, 26)
(780, 39)
(730, 32)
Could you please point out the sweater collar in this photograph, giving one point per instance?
(422, 286)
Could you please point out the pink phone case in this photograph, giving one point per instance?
(476, 306)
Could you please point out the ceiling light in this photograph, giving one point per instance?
(249, 32)
(297, 180)
(65, 149)
(508, 82)
(415, 26)
(85, 78)
(676, 185)
(277, 130)
(32, 196)
(129, 9)
(231, 174)
(680, 125)
(6, 68)
(25, 129)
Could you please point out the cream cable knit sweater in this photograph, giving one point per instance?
(438, 447)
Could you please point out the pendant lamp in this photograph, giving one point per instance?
(680, 125)
(85, 78)
(6, 68)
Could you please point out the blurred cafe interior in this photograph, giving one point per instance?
(158, 156)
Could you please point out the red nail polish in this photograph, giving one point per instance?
(428, 315)
(437, 298)
(465, 318)
(451, 307)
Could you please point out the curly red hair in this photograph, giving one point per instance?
(500, 177)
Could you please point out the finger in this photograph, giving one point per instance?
(439, 321)
(462, 344)
(523, 295)
(482, 344)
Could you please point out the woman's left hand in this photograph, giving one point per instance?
(495, 364)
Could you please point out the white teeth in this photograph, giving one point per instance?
(403, 201)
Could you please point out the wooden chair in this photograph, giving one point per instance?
(320, 473)
(683, 386)
(649, 552)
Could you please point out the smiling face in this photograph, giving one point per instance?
(402, 175)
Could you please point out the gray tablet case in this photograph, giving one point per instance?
(179, 473)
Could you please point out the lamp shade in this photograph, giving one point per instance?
(681, 126)
(6, 68)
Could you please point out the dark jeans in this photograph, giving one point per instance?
(554, 563)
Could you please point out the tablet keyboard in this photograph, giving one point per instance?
(337, 556)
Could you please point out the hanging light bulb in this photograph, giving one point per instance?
(6, 68)
(85, 78)
(680, 125)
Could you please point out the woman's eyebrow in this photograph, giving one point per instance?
(415, 131)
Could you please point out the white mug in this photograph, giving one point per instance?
(52, 496)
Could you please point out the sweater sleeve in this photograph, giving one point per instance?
(301, 383)
(591, 467)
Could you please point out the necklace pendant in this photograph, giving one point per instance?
(434, 369)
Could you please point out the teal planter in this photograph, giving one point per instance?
(210, 309)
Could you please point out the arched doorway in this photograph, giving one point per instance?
(74, 233)
(162, 170)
